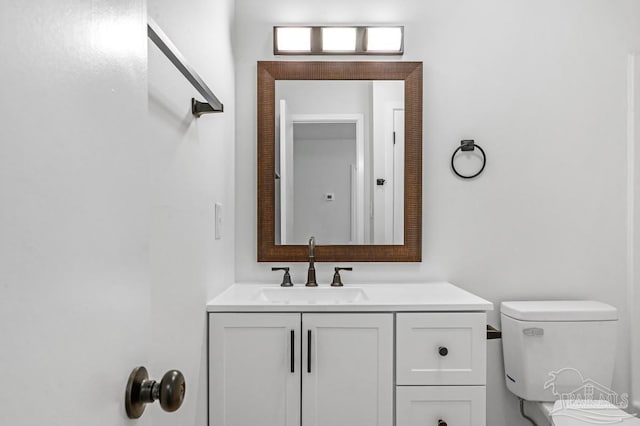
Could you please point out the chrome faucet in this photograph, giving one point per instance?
(311, 274)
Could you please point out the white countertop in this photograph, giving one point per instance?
(429, 297)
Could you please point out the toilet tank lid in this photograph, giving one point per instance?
(559, 310)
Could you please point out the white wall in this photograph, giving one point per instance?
(192, 167)
(323, 154)
(542, 87)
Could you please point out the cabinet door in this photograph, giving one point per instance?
(440, 406)
(347, 375)
(254, 367)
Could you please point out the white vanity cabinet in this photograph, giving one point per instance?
(395, 355)
(441, 369)
(265, 366)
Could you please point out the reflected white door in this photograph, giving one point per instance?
(388, 194)
(286, 173)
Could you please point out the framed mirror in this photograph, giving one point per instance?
(340, 159)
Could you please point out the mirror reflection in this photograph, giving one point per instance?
(339, 162)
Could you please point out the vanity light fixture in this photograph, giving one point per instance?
(338, 40)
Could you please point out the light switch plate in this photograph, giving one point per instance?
(218, 221)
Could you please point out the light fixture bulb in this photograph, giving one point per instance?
(293, 39)
(338, 39)
(384, 39)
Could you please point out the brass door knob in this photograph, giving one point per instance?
(140, 391)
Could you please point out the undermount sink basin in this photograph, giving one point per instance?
(312, 295)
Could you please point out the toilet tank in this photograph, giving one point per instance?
(554, 349)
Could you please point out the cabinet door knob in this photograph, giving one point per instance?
(443, 351)
(140, 391)
(442, 423)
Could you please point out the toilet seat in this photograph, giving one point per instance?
(563, 413)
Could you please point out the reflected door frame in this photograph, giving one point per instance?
(398, 175)
(358, 218)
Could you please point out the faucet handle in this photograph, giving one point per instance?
(286, 279)
(337, 280)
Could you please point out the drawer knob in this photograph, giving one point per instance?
(443, 351)
(442, 423)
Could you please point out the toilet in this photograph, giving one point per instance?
(560, 355)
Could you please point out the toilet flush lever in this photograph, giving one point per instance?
(140, 391)
(493, 333)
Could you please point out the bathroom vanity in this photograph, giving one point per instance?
(365, 355)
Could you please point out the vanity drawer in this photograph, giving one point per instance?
(440, 406)
(441, 348)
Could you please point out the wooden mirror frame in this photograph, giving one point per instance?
(411, 74)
